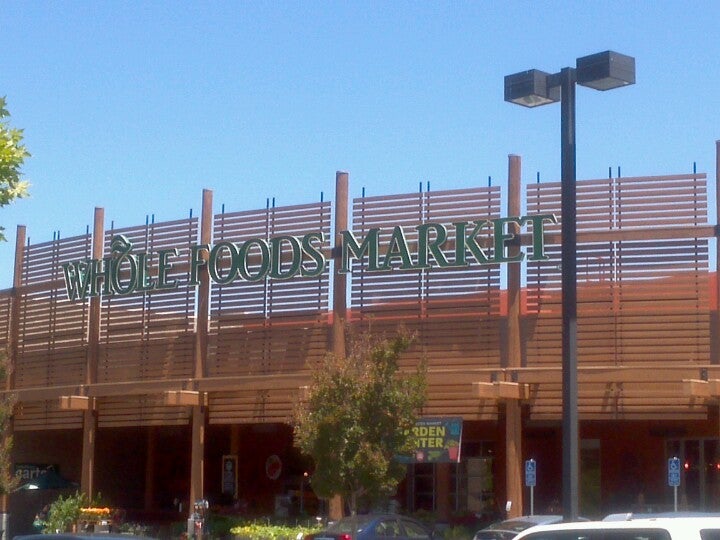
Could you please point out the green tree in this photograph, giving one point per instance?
(12, 186)
(12, 157)
(8, 482)
(357, 417)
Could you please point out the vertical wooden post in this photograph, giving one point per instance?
(442, 482)
(715, 331)
(13, 340)
(199, 412)
(513, 412)
(715, 321)
(150, 457)
(91, 362)
(335, 510)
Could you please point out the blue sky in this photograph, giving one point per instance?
(136, 106)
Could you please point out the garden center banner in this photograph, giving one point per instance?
(437, 440)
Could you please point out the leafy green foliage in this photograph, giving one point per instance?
(8, 481)
(12, 157)
(256, 531)
(64, 512)
(357, 418)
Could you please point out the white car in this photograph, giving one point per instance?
(678, 528)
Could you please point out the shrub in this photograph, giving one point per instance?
(256, 531)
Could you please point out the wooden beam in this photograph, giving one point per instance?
(183, 398)
(501, 390)
(696, 388)
(77, 403)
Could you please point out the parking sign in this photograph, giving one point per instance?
(674, 472)
(530, 473)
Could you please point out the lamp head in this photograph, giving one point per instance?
(530, 89)
(605, 70)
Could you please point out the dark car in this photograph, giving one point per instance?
(510, 528)
(79, 536)
(372, 526)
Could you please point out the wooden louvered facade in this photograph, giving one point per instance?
(237, 354)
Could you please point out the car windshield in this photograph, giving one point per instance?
(514, 525)
(349, 524)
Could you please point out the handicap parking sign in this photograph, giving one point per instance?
(530, 473)
(674, 472)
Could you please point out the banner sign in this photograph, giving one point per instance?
(437, 440)
(230, 475)
(460, 244)
(30, 471)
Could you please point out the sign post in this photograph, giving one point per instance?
(674, 477)
(531, 481)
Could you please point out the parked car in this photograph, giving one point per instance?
(374, 526)
(510, 528)
(79, 536)
(671, 528)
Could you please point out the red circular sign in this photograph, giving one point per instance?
(273, 467)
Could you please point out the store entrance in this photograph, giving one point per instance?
(700, 473)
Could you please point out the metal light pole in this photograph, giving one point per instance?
(602, 71)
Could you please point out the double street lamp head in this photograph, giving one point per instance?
(601, 71)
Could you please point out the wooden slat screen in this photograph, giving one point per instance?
(269, 326)
(5, 303)
(409, 294)
(454, 312)
(46, 415)
(52, 330)
(141, 410)
(639, 302)
(150, 335)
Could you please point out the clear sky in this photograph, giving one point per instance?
(136, 106)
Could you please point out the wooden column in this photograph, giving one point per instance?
(13, 340)
(513, 412)
(715, 320)
(150, 459)
(442, 492)
(335, 509)
(87, 484)
(199, 412)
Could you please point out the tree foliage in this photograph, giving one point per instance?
(8, 481)
(12, 186)
(357, 417)
(12, 157)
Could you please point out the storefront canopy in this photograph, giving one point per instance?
(49, 480)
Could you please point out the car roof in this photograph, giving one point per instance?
(627, 516)
(536, 519)
(676, 525)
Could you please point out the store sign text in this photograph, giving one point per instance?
(282, 257)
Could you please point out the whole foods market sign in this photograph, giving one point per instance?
(125, 272)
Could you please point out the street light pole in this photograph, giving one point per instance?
(568, 197)
(601, 71)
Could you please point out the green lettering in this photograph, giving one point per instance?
(144, 281)
(501, 236)
(215, 262)
(538, 239)
(197, 261)
(397, 248)
(77, 278)
(314, 253)
(464, 242)
(427, 246)
(369, 246)
(263, 267)
(276, 260)
(164, 267)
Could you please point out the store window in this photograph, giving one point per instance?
(700, 474)
(471, 482)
